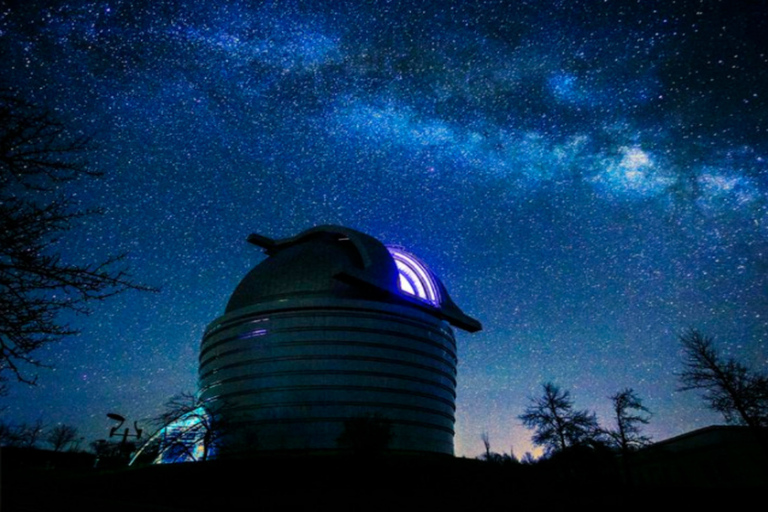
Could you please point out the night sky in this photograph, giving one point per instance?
(588, 179)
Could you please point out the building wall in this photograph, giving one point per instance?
(287, 374)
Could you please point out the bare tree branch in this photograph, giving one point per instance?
(728, 386)
(629, 414)
(60, 436)
(556, 423)
(37, 154)
(188, 430)
(23, 435)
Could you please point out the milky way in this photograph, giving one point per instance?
(588, 178)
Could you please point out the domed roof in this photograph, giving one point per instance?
(344, 263)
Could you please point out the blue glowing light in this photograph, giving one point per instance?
(252, 334)
(186, 439)
(415, 279)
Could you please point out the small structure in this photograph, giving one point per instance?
(714, 456)
(332, 327)
(186, 439)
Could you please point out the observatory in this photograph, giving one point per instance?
(332, 327)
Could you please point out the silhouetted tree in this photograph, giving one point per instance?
(60, 436)
(498, 458)
(6, 433)
(23, 435)
(728, 386)
(557, 425)
(38, 154)
(629, 413)
(487, 444)
(177, 406)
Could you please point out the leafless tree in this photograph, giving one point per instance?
(6, 433)
(728, 386)
(24, 435)
(497, 458)
(38, 155)
(629, 413)
(557, 424)
(487, 444)
(60, 436)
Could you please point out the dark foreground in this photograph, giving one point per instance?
(369, 484)
(39, 481)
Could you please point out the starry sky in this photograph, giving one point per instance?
(588, 178)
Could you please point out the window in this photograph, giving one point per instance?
(415, 279)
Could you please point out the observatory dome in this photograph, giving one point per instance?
(332, 327)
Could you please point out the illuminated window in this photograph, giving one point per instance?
(252, 334)
(415, 279)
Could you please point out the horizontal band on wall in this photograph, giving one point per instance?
(361, 373)
(351, 388)
(280, 310)
(362, 404)
(331, 343)
(207, 346)
(329, 358)
(332, 419)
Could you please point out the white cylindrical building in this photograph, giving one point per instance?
(333, 327)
